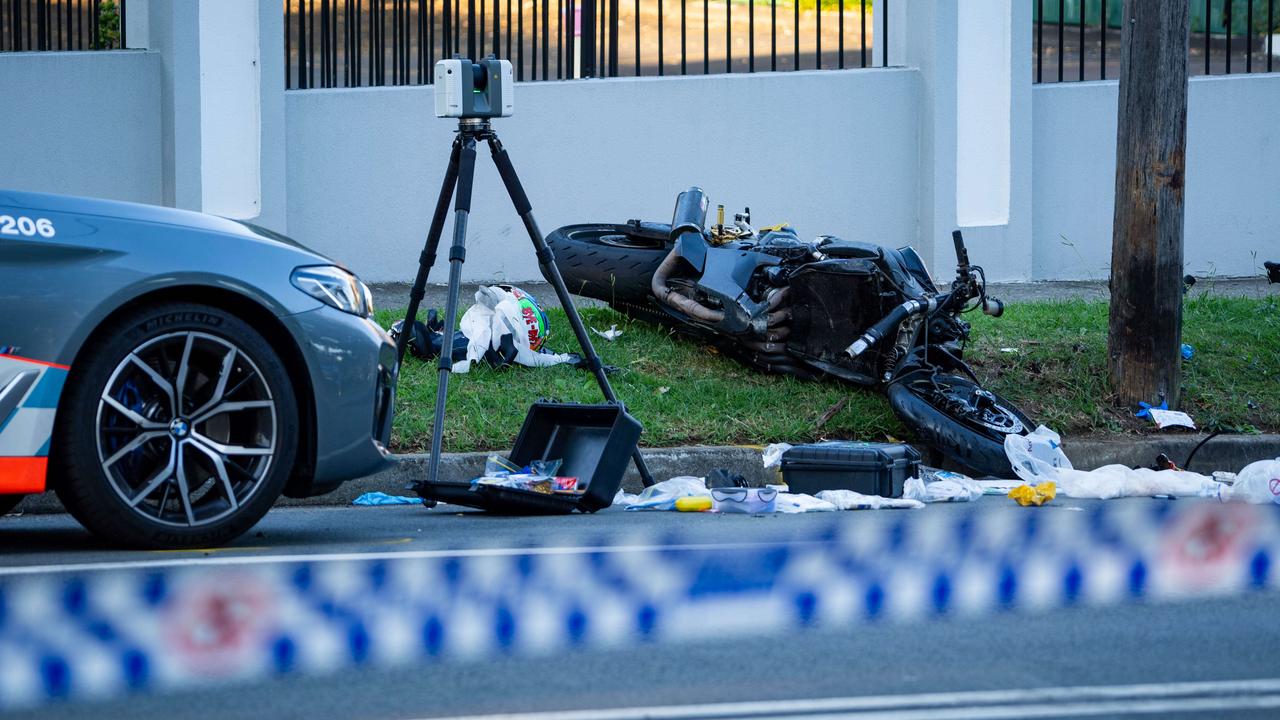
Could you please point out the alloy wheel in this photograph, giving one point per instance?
(186, 429)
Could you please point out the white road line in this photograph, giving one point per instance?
(384, 555)
(1107, 708)
(1079, 701)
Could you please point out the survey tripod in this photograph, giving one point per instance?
(459, 176)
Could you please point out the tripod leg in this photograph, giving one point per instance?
(457, 254)
(428, 256)
(547, 263)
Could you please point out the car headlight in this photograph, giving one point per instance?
(334, 287)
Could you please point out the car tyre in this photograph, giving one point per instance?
(178, 429)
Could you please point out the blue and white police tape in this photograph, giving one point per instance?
(103, 631)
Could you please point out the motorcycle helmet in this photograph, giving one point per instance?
(533, 317)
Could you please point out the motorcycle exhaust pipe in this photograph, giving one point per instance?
(690, 213)
(661, 290)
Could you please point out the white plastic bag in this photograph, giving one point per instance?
(943, 486)
(1038, 456)
(1257, 483)
(497, 313)
(663, 495)
(773, 455)
(624, 499)
(850, 500)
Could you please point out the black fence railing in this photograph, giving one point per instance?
(1080, 39)
(353, 43)
(52, 25)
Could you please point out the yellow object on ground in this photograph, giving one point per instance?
(693, 504)
(1037, 495)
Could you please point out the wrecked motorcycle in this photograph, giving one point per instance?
(860, 312)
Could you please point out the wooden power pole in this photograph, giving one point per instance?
(1145, 337)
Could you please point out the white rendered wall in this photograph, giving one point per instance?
(1232, 184)
(831, 152)
(82, 123)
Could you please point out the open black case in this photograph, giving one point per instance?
(594, 443)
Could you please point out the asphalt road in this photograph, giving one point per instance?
(1000, 666)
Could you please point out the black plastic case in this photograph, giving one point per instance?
(867, 468)
(594, 442)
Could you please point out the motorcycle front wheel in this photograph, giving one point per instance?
(960, 418)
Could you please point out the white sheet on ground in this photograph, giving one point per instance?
(850, 500)
(1038, 458)
(801, 503)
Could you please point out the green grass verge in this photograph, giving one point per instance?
(686, 393)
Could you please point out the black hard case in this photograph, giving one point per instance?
(594, 442)
(867, 468)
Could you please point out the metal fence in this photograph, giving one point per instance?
(1080, 39)
(352, 43)
(43, 25)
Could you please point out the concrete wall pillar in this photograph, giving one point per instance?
(975, 129)
(222, 100)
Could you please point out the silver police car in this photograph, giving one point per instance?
(170, 374)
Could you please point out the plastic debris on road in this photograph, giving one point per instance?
(850, 500)
(690, 494)
(381, 498)
(942, 486)
(1036, 495)
(663, 495)
(624, 499)
(997, 487)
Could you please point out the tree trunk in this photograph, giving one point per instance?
(1145, 335)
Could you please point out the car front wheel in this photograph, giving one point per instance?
(179, 429)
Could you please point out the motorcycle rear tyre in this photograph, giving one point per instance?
(606, 262)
